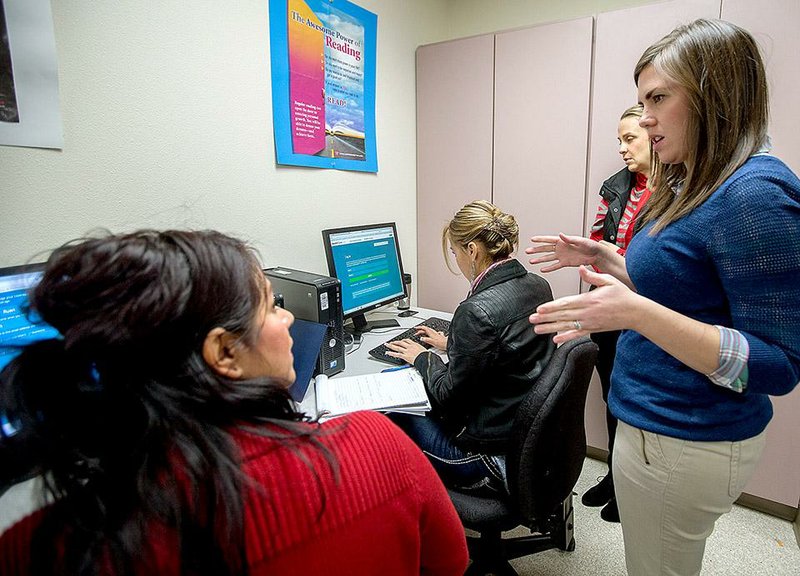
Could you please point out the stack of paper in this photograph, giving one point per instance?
(394, 391)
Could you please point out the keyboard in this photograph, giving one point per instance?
(379, 352)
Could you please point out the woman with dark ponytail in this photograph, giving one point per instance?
(168, 442)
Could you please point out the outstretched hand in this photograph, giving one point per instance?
(609, 307)
(563, 251)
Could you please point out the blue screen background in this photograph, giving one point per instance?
(369, 272)
(18, 326)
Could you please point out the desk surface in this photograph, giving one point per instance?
(358, 361)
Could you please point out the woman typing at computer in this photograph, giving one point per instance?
(494, 356)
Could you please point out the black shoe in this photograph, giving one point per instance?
(600, 494)
(610, 512)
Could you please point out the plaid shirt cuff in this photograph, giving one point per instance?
(734, 351)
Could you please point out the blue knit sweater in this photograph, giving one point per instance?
(733, 261)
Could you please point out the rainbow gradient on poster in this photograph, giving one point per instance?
(306, 79)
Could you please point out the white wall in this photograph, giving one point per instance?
(167, 119)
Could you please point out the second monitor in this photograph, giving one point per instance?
(366, 259)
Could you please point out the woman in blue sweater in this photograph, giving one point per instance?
(707, 296)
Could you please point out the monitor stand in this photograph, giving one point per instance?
(361, 324)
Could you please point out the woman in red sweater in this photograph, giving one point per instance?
(170, 445)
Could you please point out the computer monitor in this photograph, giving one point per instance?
(366, 260)
(19, 326)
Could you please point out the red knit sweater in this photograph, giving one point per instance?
(389, 514)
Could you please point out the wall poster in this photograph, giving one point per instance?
(29, 110)
(323, 83)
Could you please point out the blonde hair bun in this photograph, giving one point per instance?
(483, 222)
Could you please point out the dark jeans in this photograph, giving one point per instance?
(456, 467)
(607, 345)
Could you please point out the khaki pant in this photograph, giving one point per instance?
(670, 493)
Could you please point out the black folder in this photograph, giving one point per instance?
(307, 338)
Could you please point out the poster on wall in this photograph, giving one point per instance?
(323, 84)
(29, 111)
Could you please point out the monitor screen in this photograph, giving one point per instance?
(366, 260)
(18, 325)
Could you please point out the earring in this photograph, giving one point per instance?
(472, 271)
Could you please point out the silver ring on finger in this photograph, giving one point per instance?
(577, 324)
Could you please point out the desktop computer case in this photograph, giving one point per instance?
(318, 299)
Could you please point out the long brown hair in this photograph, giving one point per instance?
(719, 68)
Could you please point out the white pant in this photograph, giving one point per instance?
(670, 493)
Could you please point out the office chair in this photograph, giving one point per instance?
(544, 460)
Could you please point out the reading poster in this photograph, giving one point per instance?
(323, 84)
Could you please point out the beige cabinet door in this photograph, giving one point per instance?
(454, 153)
(541, 115)
(774, 25)
(620, 38)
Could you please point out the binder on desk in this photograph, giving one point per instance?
(307, 337)
(394, 391)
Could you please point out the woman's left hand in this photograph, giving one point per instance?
(407, 350)
(610, 307)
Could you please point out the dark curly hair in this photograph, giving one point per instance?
(132, 427)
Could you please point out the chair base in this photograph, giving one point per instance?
(490, 552)
(499, 568)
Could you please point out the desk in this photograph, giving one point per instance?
(358, 361)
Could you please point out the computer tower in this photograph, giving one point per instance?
(315, 298)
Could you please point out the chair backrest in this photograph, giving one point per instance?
(548, 443)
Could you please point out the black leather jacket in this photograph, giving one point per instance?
(616, 191)
(494, 357)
